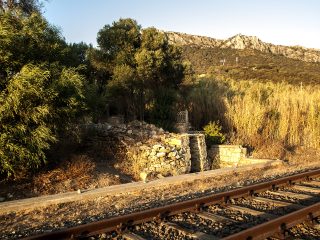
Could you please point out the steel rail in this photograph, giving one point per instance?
(278, 225)
(121, 223)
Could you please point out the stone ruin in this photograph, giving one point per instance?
(146, 152)
(142, 149)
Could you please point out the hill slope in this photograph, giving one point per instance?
(246, 57)
(240, 41)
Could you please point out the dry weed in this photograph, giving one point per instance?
(70, 175)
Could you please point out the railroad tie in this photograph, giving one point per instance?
(214, 217)
(306, 189)
(132, 236)
(312, 183)
(278, 202)
(251, 211)
(300, 196)
(189, 232)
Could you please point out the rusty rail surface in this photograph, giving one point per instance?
(121, 223)
(280, 224)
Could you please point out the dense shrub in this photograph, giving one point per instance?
(34, 107)
(213, 133)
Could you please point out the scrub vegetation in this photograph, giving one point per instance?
(49, 87)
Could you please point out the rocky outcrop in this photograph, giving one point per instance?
(240, 41)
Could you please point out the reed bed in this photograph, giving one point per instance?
(253, 113)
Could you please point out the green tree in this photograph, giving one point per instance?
(136, 64)
(160, 70)
(28, 39)
(40, 94)
(26, 6)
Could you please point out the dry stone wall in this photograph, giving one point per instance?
(222, 156)
(142, 150)
(147, 152)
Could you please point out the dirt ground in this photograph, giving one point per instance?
(78, 172)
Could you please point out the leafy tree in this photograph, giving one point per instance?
(40, 93)
(26, 39)
(26, 6)
(35, 105)
(24, 112)
(135, 64)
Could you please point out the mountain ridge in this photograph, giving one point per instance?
(240, 42)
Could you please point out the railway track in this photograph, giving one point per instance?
(265, 210)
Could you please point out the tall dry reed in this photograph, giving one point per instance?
(254, 111)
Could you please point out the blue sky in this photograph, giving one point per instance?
(286, 22)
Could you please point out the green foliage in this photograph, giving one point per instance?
(27, 39)
(34, 108)
(24, 114)
(161, 111)
(213, 133)
(135, 64)
(26, 6)
(40, 94)
(205, 101)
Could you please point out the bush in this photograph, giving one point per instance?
(213, 133)
(34, 108)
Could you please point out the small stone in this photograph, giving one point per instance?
(172, 154)
(103, 235)
(9, 195)
(78, 191)
(143, 176)
(129, 131)
(160, 176)
(161, 154)
(2, 199)
(156, 146)
(162, 149)
(175, 142)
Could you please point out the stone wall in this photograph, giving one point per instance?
(146, 152)
(222, 156)
(168, 156)
(140, 149)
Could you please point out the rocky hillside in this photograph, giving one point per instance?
(240, 41)
(248, 58)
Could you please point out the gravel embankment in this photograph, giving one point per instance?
(29, 222)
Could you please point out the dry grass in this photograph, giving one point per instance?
(260, 114)
(276, 112)
(70, 175)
